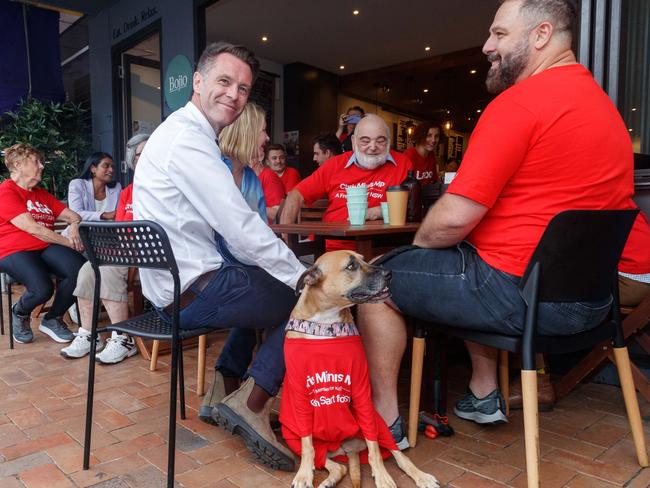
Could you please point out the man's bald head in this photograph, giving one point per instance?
(371, 123)
(371, 142)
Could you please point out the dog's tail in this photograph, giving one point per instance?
(355, 469)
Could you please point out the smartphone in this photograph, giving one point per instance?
(352, 119)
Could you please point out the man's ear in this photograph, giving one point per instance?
(310, 277)
(543, 33)
(196, 80)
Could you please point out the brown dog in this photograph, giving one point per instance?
(326, 408)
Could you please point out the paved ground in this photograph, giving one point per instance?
(585, 441)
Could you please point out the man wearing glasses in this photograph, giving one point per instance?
(370, 163)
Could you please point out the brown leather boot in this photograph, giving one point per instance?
(215, 395)
(233, 414)
(545, 394)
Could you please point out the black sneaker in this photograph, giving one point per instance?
(398, 431)
(488, 410)
(20, 327)
(56, 329)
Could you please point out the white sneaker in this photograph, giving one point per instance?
(118, 348)
(80, 346)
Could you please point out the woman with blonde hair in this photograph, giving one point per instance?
(242, 142)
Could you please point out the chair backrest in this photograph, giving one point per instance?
(578, 255)
(139, 243)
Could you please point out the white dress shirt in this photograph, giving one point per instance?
(182, 184)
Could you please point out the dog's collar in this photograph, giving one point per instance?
(337, 329)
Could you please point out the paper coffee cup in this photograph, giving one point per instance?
(397, 198)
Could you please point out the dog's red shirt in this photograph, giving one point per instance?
(327, 394)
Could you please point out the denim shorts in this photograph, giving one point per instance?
(455, 286)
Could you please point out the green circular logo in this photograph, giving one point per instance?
(178, 82)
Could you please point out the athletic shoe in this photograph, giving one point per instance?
(80, 346)
(398, 431)
(20, 327)
(56, 329)
(118, 348)
(488, 410)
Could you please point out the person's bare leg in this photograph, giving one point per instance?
(484, 369)
(117, 311)
(384, 337)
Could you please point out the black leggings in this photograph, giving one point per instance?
(34, 269)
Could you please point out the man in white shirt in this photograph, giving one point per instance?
(234, 271)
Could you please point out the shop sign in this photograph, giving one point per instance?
(134, 21)
(178, 82)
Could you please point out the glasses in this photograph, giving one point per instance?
(366, 141)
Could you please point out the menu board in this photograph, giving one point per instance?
(262, 94)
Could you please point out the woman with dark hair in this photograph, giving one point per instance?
(30, 251)
(423, 154)
(94, 194)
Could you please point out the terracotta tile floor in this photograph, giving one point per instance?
(585, 441)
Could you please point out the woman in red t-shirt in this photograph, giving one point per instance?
(235, 144)
(30, 250)
(113, 290)
(423, 155)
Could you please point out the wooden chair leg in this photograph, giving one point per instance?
(154, 355)
(631, 403)
(504, 379)
(416, 384)
(200, 374)
(531, 425)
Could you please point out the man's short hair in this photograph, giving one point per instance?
(273, 147)
(19, 153)
(358, 109)
(329, 142)
(213, 50)
(560, 13)
(422, 130)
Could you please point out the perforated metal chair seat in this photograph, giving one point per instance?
(151, 326)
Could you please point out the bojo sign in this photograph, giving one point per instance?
(178, 82)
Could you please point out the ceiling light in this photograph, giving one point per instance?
(634, 109)
(478, 111)
(426, 90)
(631, 130)
(342, 66)
(355, 12)
(427, 48)
(472, 72)
(264, 38)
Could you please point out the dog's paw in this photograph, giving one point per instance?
(303, 479)
(383, 479)
(426, 480)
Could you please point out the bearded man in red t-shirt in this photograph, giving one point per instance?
(371, 163)
(519, 171)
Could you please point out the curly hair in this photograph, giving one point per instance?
(19, 153)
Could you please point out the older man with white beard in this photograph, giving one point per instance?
(370, 163)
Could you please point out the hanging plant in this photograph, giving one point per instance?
(58, 130)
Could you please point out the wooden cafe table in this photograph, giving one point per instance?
(371, 239)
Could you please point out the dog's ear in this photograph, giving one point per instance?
(309, 277)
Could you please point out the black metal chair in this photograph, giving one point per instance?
(140, 244)
(575, 260)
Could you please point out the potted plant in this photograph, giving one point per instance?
(59, 130)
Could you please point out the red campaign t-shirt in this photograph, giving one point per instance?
(41, 205)
(290, 178)
(332, 178)
(636, 255)
(272, 187)
(326, 393)
(552, 142)
(425, 170)
(124, 211)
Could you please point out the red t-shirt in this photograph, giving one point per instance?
(327, 394)
(124, 211)
(332, 178)
(41, 205)
(272, 187)
(425, 170)
(290, 178)
(636, 255)
(552, 142)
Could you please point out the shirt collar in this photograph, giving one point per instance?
(195, 113)
(353, 160)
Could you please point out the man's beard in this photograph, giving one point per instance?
(505, 74)
(370, 162)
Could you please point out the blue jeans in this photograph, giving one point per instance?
(243, 297)
(455, 286)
